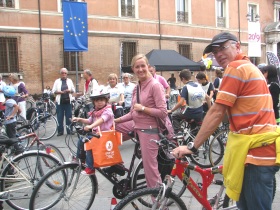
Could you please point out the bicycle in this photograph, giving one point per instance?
(26, 132)
(217, 149)
(202, 156)
(158, 198)
(71, 171)
(43, 123)
(47, 104)
(21, 173)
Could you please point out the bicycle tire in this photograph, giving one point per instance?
(139, 181)
(51, 149)
(45, 128)
(145, 199)
(28, 164)
(64, 176)
(217, 147)
(201, 157)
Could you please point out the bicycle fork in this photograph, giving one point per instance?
(163, 196)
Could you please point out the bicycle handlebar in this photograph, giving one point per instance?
(80, 130)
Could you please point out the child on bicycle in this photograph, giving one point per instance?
(11, 110)
(102, 116)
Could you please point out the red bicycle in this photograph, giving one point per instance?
(162, 197)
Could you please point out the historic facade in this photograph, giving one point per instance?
(31, 33)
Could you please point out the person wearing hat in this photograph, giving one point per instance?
(251, 157)
(101, 116)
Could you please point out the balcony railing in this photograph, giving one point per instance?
(182, 16)
(7, 3)
(221, 22)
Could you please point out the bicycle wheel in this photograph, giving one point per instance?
(150, 198)
(45, 126)
(201, 157)
(217, 147)
(51, 149)
(139, 181)
(76, 191)
(20, 176)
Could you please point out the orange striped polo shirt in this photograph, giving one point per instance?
(250, 111)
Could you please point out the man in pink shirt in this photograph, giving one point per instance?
(161, 80)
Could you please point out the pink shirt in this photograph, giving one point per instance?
(151, 96)
(108, 118)
(161, 80)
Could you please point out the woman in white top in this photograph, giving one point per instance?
(116, 91)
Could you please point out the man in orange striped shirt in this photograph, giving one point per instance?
(246, 99)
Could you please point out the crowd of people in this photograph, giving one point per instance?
(248, 95)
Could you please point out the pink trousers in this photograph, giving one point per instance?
(149, 151)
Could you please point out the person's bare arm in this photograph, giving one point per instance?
(167, 95)
(96, 123)
(14, 113)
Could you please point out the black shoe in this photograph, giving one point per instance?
(59, 134)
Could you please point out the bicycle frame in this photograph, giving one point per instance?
(200, 193)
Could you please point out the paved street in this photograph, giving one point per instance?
(103, 198)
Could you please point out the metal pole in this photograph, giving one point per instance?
(77, 76)
(41, 46)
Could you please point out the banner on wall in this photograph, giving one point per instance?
(75, 26)
(254, 39)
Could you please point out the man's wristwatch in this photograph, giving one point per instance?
(191, 147)
(143, 108)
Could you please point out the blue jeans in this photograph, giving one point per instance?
(82, 154)
(257, 188)
(63, 110)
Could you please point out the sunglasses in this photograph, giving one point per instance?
(63, 73)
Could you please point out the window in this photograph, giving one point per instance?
(60, 3)
(182, 11)
(70, 61)
(128, 50)
(8, 55)
(277, 11)
(128, 8)
(185, 50)
(7, 3)
(252, 12)
(221, 16)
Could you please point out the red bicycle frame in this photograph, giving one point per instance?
(207, 174)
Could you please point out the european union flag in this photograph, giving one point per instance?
(75, 26)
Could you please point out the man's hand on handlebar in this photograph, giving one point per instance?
(181, 151)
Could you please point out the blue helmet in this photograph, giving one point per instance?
(9, 91)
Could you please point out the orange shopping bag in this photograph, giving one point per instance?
(105, 150)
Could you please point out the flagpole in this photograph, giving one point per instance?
(77, 77)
